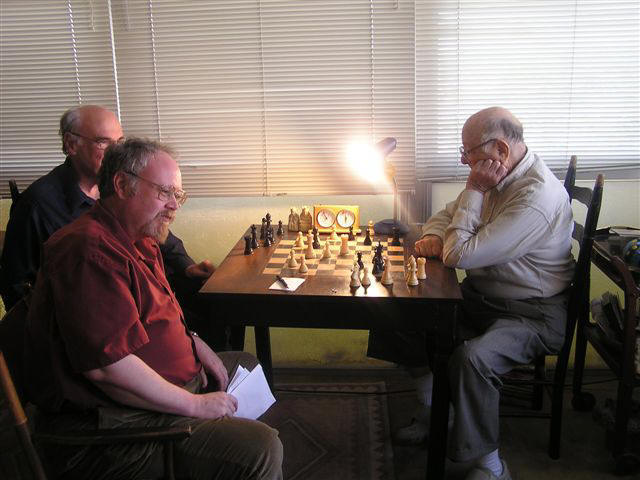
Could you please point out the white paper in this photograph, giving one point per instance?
(252, 391)
(293, 282)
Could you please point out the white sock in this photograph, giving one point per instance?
(492, 462)
(424, 388)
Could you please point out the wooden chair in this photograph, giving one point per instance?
(577, 309)
(11, 342)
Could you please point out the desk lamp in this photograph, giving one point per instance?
(369, 161)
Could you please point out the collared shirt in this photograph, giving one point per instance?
(514, 241)
(98, 298)
(49, 203)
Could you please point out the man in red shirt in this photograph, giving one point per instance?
(107, 344)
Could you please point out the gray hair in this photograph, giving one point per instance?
(502, 128)
(68, 123)
(130, 156)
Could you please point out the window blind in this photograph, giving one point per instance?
(569, 70)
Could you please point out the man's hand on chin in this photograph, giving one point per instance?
(485, 175)
(203, 269)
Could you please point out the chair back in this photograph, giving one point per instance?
(15, 193)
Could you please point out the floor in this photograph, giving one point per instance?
(524, 440)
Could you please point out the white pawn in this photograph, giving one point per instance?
(412, 279)
(344, 247)
(366, 279)
(334, 236)
(355, 276)
(309, 253)
(422, 271)
(291, 261)
(386, 275)
(299, 240)
(326, 253)
(303, 265)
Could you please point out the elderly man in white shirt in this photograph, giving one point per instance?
(510, 229)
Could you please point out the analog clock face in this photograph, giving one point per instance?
(325, 218)
(345, 218)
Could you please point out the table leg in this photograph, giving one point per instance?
(439, 418)
(263, 352)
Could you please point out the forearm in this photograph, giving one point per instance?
(132, 382)
(438, 222)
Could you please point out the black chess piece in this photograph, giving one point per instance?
(378, 266)
(262, 228)
(247, 245)
(268, 218)
(268, 238)
(395, 242)
(280, 230)
(367, 238)
(254, 237)
(316, 240)
(360, 262)
(352, 237)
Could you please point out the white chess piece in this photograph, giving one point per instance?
(344, 247)
(326, 253)
(310, 253)
(366, 279)
(386, 275)
(355, 276)
(291, 262)
(412, 280)
(299, 240)
(303, 265)
(409, 267)
(422, 271)
(334, 236)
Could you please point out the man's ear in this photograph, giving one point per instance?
(70, 143)
(121, 185)
(503, 150)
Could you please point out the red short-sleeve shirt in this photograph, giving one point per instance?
(98, 298)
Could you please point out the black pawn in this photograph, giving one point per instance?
(316, 240)
(262, 229)
(268, 238)
(367, 238)
(280, 230)
(268, 218)
(360, 262)
(254, 237)
(352, 237)
(247, 245)
(395, 242)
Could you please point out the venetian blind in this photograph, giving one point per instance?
(568, 69)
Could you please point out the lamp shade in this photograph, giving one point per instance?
(386, 146)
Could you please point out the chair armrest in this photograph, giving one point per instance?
(115, 435)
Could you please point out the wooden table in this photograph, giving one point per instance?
(239, 291)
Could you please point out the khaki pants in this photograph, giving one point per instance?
(225, 448)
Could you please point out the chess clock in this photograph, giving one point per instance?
(325, 217)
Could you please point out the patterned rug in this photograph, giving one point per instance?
(341, 435)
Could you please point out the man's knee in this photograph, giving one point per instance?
(470, 356)
(268, 452)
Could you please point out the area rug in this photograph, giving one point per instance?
(333, 431)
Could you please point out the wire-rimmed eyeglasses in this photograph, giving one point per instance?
(164, 193)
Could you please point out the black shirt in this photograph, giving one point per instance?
(50, 203)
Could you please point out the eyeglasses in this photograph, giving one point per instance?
(465, 153)
(164, 193)
(101, 142)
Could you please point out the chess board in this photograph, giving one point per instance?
(337, 264)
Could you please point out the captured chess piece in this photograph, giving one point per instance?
(395, 242)
(422, 271)
(367, 238)
(254, 237)
(247, 245)
(280, 230)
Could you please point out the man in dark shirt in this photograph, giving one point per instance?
(67, 192)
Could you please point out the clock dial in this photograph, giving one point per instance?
(325, 218)
(345, 218)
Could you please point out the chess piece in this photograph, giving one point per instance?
(306, 220)
(344, 246)
(360, 262)
(412, 279)
(366, 279)
(316, 240)
(280, 230)
(352, 237)
(247, 245)
(409, 266)
(291, 261)
(395, 242)
(378, 261)
(254, 237)
(334, 236)
(370, 228)
(294, 221)
(355, 276)
(303, 265)
(326, 252)
(262, 228)
(268, 238)
(386, 275)
(367, 238)
(309, 253)
(299, 240)
(422, 273)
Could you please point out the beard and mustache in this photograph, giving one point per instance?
(158, 228)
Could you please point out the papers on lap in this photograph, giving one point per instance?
(252, 391)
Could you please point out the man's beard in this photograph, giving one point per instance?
(157, 228)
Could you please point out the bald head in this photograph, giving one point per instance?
(493, 122)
